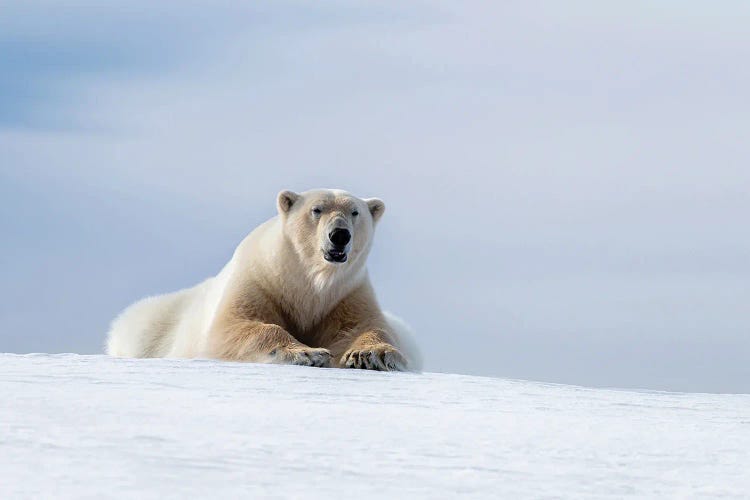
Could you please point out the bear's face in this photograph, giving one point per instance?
(328, 225)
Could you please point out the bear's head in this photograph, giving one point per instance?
(329, 226)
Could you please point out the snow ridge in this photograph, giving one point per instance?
(91, 426)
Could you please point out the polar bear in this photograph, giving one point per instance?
(296, 291)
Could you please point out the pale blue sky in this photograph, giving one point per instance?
(567, 185)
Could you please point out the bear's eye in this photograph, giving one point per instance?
(355, 213)
(317, 211)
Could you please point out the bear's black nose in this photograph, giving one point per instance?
(340, 237)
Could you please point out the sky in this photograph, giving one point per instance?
(567, 186)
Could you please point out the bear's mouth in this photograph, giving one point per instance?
(335, 256)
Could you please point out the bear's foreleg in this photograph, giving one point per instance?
(259, 342)
(361, 336)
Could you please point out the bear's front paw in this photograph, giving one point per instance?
(383, 357)
(301, 355)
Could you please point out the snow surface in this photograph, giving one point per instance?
(95, 427)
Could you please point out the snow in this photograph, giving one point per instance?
(96, 427)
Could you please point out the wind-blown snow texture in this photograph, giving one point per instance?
(93, 427)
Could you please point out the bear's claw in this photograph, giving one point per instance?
(383, 357)
(303, 356)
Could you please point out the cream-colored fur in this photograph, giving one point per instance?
(281, 298)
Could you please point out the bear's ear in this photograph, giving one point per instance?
(285, 200)
(376, 207)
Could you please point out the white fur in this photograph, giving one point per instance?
(406, 339)
(173, 325)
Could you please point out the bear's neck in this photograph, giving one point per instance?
(308, 292)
